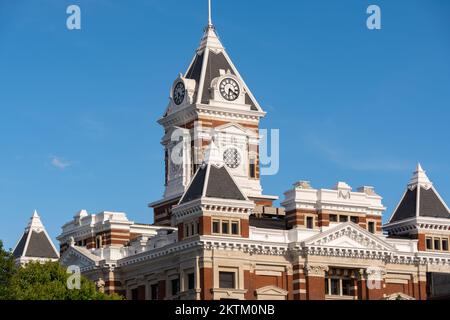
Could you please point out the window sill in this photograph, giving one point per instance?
(333, 297)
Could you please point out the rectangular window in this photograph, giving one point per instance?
(310, 222)
(343, 218)
(327, 286)
(347, 287)
(216, 226)
(225, 227)
(371, 226)
(186, 230)
(175, 286)
(234, 228)
(191, 281)
(354, 220)
(334, 287)
(252, 169)
(429, 242)
(437, 244)
(445, 244)
(154, 291)
(98, 242)
(333, 218)
(192, 229)
(226, 280)
(135, 294)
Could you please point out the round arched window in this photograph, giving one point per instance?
(232, 158)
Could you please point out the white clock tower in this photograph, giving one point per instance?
(210, 102)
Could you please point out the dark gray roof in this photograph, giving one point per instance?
(18, 251)
(221, 185)
(195, 190)
(407, 207)
(215, 63)
(218, 184)
(268, 223)
(195, 71)
(39, 246)
(429, 205)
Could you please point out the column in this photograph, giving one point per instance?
(315, 281)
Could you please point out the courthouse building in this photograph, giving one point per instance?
(216, 235)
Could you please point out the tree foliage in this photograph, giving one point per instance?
(42, 281)
(7, 270)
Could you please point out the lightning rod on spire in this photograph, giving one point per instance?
(209, 14)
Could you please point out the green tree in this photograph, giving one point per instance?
(7, 270)
(48, 281)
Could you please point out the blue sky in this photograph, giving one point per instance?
(79, 108)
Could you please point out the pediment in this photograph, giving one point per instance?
(75, 257)
(349, 235)
(271, 290)
(235, 129)
(399, 296)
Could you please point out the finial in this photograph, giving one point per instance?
(209, 14)
(420, 178)
(419, 167)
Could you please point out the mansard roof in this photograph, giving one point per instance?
(210, 58)
(420, 200)
(213, 180)
(35, 242)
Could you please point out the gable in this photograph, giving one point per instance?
(235, 129)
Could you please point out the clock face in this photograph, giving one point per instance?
(232, 158)
(229, 89)
(179, 92)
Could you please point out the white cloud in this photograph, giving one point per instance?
(60, 163)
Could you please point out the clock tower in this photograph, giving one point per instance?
(210, 102)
